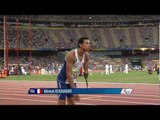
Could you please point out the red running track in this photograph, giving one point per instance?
(16, 93)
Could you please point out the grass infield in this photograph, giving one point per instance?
(131, 77)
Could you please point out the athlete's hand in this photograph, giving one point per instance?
(76, 97)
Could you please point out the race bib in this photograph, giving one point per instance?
(75, 73)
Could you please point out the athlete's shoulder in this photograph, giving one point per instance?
(87, 54)
(70, 55)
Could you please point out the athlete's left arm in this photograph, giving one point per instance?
(86, 63)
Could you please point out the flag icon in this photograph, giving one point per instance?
(39, 91)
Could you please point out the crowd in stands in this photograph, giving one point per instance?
(86, 18)
(50, 38)
(48, 63)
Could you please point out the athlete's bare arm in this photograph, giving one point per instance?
(69, 64)
(70, 60)
(86, 63)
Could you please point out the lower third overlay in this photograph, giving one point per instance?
(80, 91)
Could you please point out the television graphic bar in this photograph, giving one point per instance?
(80, 91)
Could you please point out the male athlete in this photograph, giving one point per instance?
(74, 61)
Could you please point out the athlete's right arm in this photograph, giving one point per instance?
(69, 64)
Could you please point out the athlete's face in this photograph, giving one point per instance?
(86, 45)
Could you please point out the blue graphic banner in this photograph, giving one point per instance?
(80, 91)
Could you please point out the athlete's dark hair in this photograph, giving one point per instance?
(81, 40)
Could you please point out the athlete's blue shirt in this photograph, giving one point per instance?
(62, 74)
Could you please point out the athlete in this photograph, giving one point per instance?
(73, 62)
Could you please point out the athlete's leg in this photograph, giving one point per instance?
(61, 97)
(70, 98)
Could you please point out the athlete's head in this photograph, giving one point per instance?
(84, 43)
